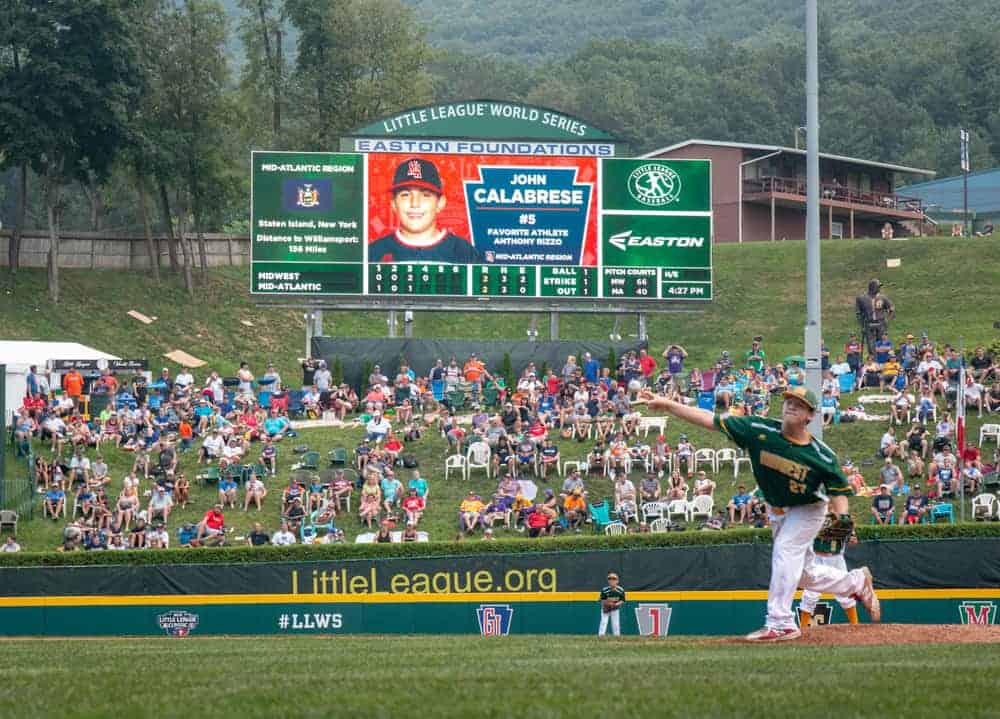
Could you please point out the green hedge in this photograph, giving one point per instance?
(573, 543)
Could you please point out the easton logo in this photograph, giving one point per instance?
(494, 619)
(624, 240)
(654, 185)
(177, 623)
(978, 612)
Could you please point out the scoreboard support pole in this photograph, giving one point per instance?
(392, 320)
(553, 325)
(642, 327)
(318, 323)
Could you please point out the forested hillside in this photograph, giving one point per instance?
(198, 84)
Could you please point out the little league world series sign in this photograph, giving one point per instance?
(481, 226)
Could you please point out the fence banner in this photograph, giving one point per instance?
(707, 590)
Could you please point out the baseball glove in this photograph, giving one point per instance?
(609, 605)
(836, 528)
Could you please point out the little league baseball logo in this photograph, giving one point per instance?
(654, 185)
(653, 619)
(821, 615)
(978, 612)
(494, 619)
(177, 623)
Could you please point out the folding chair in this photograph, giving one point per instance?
(600, 514)
(577, 465)
(984, 507)
(942, 511)
(8, 518)
(741, 461)
(310, 460)
(337, 456)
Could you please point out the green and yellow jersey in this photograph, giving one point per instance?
(787, 473)
(613, 593)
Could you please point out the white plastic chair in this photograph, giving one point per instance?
(659, 526)
(705, 454)
(615, 529)
(580, 466)
(984, 506)
(989, 431)
(701, 506)
(738, 462)
(678, 508)
(652, 509)
(726, 454)
(648, 423)
(479, 456)
(456, 462)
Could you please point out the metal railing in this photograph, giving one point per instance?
(834, 192)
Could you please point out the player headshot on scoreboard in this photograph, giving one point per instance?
(417, 200)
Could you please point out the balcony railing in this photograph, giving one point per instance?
(834, 192)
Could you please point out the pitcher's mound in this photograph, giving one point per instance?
(864, 634)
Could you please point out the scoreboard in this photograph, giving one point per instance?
(444, 228)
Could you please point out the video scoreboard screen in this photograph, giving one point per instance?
(447, 227)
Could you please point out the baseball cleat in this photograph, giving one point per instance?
(767, 634)
(868, 597)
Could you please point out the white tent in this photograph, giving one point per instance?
(19, 356)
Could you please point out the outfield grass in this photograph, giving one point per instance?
(759, 288)
(425, 677)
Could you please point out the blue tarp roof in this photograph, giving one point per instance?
(946, 193)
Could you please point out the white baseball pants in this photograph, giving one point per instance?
(810, 597)
(616, 627)
(793, 563)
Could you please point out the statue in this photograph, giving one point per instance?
(874, 310)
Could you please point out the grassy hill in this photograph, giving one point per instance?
(942, 286)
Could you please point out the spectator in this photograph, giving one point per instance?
(916, 439)
(685, 453)
(212, 524)
(755, 356)
(974, 394)
(410, 533)
(649, 489)
(538, 522)
(591, 368)
(883, 349)
(890, 369)
(575, 509)
(853, 351)
(982, 365)
(55, 502)
(72, 385)
(677, 488)
(244, 379)
(916, 506)
(276, 426)
(212, 447)
(254, 492)
(419, 484)
(888, 446)
(160, 505)
(157, 537)
(829, 407)
(549, 457)
(470, 512)
(283, 537)
(137, 535)
(882, 506)
(258, 537)
(625, 498)
(11, 544)
(378, 427)
(840, 367)
(295, 515)
(227, 492)
(392, 493)
(413, 506)
(739, 505)
(891, 476)
(703, 486)
(182, 491)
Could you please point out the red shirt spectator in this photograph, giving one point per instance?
(413, 503)
(552, 384)
(214, 519)
(647, 364)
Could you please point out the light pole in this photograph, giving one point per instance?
(813, 333)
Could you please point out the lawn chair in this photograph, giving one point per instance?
(677, 508)
(989, 431)
(456, 462)
(659, 526)
(209, 476)
(310, 460)
(942, 511)
(615, 529)
(8, 518)
(337, 456)
(651, 510)
(705, 454)
(726, 454)
(600, 515)
(478, 457)
(984, 507)
(701, 507)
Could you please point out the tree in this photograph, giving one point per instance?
(262, 31)
(357, 60)
(63, 106)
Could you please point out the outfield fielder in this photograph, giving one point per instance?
(791, 468)
(830, 553)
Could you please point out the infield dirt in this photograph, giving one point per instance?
(879, 634)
